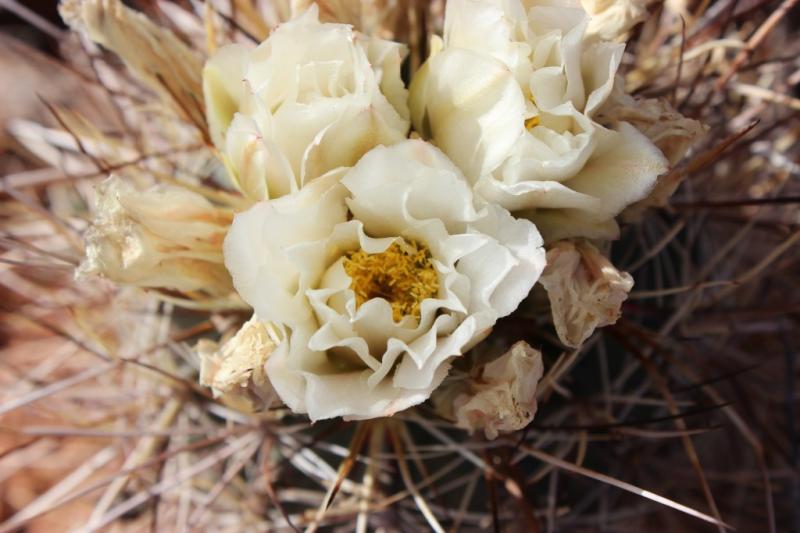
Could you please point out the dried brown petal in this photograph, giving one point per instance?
(612, 19)
(502, 396)
(152, 53)
(235, 370)
(379, 18)
(673, 133)
(586, 291)
(165, 236)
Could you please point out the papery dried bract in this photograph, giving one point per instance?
(657, 119)
(502, 396)
(235, 371)
(585, 290)
(612, 19)
(165, 236)
(311, 98)
(380, 18)
(154, 54)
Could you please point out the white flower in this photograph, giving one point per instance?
(312, 97)
(380, 276)
(165, 236)
(585, 290)
(502, 396)
(511, 99)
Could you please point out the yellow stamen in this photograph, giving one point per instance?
(403, 275)
(532, 122)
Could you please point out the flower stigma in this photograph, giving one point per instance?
(403, 275)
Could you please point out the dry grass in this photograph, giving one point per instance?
(681, 417)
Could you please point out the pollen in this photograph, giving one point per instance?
(532, 122)
(403, 275)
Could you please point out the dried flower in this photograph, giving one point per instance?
(235, 371)
(155, 55)
(312, 97)
(381, 18)
(511, 99)
(586, 291)
(670, 131)
(165, 236)
(328, 261)
(612, 19)
(502, 395)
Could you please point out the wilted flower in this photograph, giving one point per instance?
(586, 291)
(511, 99)
(235, 371)
(611, 19)
(381, 276)
(501, 395)
(166, 236)
(382, 18)
(670, 131)
(153, 54)
(312, 97)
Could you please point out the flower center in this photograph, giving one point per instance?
(403, 275)
(532, 122)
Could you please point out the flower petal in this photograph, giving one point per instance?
(471, 105)
(258, 241)
(223, 77)
(623, 170)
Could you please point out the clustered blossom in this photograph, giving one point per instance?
(311, 98)
(345, 356)
(372, 261)
(512, 98)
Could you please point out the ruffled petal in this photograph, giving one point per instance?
(622, 171)
(223, 77)
(307, 100)
(471, 105)
(258, 241)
